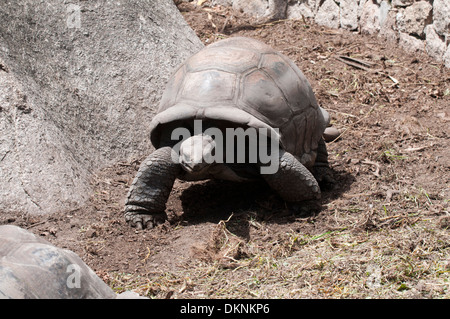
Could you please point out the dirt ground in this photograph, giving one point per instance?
(381, 232)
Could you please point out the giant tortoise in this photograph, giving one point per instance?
(32, 268)
(233, 83)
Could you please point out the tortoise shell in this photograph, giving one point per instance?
(246, 82)
(31, 267)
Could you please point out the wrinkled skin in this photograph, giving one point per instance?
(150, 189)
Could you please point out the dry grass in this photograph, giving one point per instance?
(387, 234)
(409, 261)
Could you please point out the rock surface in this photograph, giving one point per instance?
(435, 47)
(257, 8)
(328, 14)
(447, 57)
(441, 17)
(79, 83)
(299, 11)
(414, 18)
(410, 44)
(370, 18)
(388, 27)
(349, 14)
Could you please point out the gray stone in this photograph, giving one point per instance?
(434, 46)
(257, 8)
(388, 30)
(314, 4)
(385, 8)
(370, 18)
(328, 15)
(360, 7)
(414, 18)
(349, 14)
(277, 9)
(82, 79)
(447, 57)
(410, 44)
(441, 17)
(299, 10)
(402, 3)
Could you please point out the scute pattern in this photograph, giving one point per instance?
(262, 98)
(201, 86)
(247, 74)
(218, 59)
(31, 267)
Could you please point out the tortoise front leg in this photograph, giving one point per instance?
(148, 194)
(293, 181)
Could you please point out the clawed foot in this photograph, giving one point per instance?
(142, 220)
(324, 177)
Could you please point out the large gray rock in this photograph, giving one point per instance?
(38, 170)
(269, 9)
(78, 84)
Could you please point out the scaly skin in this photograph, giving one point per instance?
(148, 194)
(293, 181)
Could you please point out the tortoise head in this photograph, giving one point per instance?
(197, 153)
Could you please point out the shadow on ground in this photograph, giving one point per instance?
(215, 200)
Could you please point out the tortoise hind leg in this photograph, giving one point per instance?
(148, 194)
(321, 169)
(293, 181)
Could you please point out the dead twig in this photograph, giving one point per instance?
(36, 224)
(363, 65)
(269, 23)
(377, 166)
(225, 24)
(356, 63)
(417, 149)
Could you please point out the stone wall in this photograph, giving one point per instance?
(416, 25)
